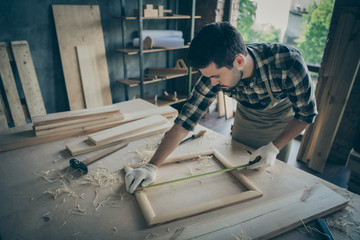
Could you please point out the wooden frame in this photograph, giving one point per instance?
(190, 197)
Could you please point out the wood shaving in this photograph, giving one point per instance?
(64, 189)
(241, 236)
(82, 196)
(312, 230)
(342, 221)
(151, 236)
(77, 210)
(205, 162)
(102, 178)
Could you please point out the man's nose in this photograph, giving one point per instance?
(214, 82)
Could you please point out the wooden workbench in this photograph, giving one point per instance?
(28, 177)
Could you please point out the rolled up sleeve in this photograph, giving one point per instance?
(300, 90)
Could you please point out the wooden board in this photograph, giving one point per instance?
(121, 214)
(88, 123)
(220, 104)
(78, 25)
(89, 76)
(3, 120)
(270, 219)
(133, 109)
(229, 112)
(339, 69)
(128, 128)
(172, 201)
(28, 78)
(8, 81)
(61, 117)
(84, 145)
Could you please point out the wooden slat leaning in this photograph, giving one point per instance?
(9, 84)
(28, 78)
(89, 76)
(3, 121)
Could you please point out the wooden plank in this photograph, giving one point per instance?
(128, 128)
(3, 121)
(26, 138)
(68, 122)
(80, 25)
(229, 112)
(114, 118)
(73, 115)
(28, 78)
(335, 83)
(227, 188)
(89, 76)
(286, 212)
(220, 104)
(85, 146)
(11, 91)
(133, 109)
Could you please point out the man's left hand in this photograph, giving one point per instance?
(268, 155)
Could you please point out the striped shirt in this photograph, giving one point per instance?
(288, 77)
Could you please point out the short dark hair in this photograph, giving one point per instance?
(216, 42)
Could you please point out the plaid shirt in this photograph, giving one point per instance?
(286, 72)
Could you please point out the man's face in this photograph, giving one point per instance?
(223, 78)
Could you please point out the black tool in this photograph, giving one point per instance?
(82, 166)
(257, 159)
(197, 135)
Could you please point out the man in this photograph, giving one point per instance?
(272, 87)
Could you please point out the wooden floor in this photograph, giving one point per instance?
(334, 173)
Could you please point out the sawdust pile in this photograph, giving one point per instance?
(101, 179)
(202, 163)
(344, 222)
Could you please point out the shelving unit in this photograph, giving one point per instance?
(141, 79)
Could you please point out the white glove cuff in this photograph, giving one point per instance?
(151, 167)
(273, 148)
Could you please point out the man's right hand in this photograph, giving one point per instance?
(143, 175)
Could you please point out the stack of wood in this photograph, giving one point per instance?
(55, 126)
(76, 120)
(133, 130)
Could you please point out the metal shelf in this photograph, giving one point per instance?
(134, 51)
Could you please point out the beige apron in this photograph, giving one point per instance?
(256, 128)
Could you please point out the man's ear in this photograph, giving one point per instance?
(239, 61)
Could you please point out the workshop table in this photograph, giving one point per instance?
(43, 199)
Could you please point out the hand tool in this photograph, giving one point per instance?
(324, 228)
(194, 136)
(201, 175)
(82, 166)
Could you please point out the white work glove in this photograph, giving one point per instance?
(268, 155)
(144, 175)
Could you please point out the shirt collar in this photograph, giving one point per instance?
(257, 60)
